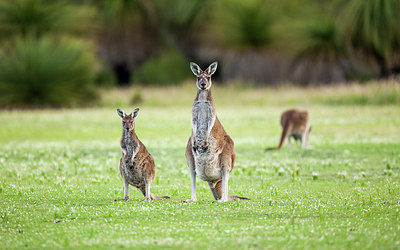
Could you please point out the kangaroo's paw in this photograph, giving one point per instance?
(195, 145)
(205, 146)
(189, 200)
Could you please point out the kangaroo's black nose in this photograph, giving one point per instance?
(203, 85)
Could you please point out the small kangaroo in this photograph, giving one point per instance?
(210, 152)
(136, 164)
(294, 124)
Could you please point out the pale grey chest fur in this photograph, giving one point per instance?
(206, 162)
(203, 118)
(128, 147)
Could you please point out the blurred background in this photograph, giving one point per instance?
(56, 53)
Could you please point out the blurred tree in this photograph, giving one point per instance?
(36, 18)
(43, 73)
(128, 35)
(243, 32)
(373, 27)
(44, 59)
(242, 24)
(181, 24)
(321, 56)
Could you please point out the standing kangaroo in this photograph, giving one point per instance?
(136, 164)
(294, 124)
(210, 152)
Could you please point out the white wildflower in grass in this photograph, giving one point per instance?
(342, 174)
(315, 175)
(281, 171)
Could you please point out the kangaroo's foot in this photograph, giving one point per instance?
(189, 200)
(125, 199)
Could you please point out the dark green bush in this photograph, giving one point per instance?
(104, 77)
(47, 73)
(36, 18)
(169, 68)
(372, 26)
(243, 24)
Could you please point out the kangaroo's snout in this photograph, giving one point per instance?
(203, 85)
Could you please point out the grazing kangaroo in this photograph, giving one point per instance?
(136, 164)
(210, 152)
(294, 124)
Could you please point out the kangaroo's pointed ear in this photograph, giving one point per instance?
(195, 69)
(121, 113)
(135, 113)
(212, 68)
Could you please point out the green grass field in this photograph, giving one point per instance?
(59, 174)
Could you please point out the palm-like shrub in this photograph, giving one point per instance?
(321, 55)
(128, 35)
(35, 18)
(180, 24)
(169, 68)
(44, 73)
(243, 24)
(373, 27)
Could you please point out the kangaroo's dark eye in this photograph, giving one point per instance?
(132, 123)
(198, 78)
(123, 123)
(208, 78)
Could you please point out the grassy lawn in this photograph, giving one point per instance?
(59, 175)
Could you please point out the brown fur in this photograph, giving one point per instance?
(294, 124)
(211, 156)
(137, 166)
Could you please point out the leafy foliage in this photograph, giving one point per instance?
(46, 73)
(373, 27)
(243, 24)
(35, 18)
(321, 37)
(322, 54)
(169, 68)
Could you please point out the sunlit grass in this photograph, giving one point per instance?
(369, 93)
(59, 175)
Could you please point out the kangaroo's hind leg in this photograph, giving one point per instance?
(216, 189)
(126, 184)
(145, 189)
(192, 171)
(226, 162)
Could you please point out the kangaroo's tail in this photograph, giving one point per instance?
(285, 130)
(155, 197)
(237, 198)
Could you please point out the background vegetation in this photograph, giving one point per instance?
(262, 42)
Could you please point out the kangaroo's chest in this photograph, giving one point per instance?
(206, 162)
(203, 118)
(134, 172)
(131, 165)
